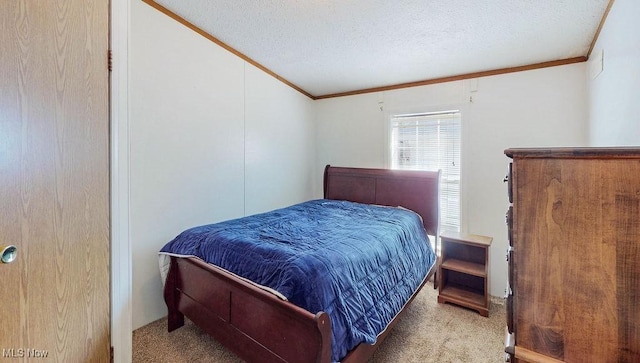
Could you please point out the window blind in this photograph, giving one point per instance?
(431, 141)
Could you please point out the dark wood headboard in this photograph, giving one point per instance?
(415, 190)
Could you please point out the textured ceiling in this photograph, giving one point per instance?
(334, 46)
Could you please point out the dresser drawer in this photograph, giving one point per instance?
(507, 179)
(509, 220)
(510, 264)
(510, 312)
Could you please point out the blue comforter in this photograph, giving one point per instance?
(358, 263)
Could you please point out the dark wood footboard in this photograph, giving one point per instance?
(253, 323)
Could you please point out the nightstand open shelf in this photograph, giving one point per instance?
(471, 268)
(463, 294)
(464, 271)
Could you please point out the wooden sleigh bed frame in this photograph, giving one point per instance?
(258, 326)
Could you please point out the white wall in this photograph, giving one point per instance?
(280, 144)
(544, 107)
(211, 138)
(614, 106)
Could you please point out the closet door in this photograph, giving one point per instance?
(54, 180)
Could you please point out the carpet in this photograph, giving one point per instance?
(428, 332)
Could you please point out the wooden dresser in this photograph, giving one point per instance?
(574, 255)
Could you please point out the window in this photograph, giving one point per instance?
(431, 141)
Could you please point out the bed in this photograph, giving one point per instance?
(276, 315)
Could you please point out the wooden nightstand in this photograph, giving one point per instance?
(464, 271)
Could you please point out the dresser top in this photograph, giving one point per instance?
(575, 152)
(466, 238)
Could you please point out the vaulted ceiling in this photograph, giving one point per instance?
(332, 47)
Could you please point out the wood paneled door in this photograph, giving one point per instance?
(54, 180)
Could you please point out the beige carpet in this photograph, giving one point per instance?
(428, 332)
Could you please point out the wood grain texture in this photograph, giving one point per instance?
(533, 357)
(10, 199)
(576, 253)
(55, 178)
